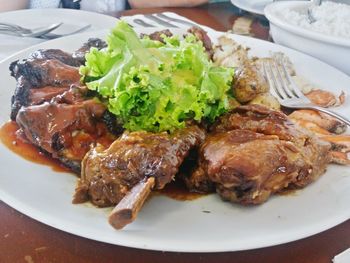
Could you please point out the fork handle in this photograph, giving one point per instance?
(329, 112)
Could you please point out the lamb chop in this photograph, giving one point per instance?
(254, 152)
(109, 176)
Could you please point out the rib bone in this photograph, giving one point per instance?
(127, 209)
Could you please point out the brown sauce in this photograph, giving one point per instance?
(13, 140)
(178, 191)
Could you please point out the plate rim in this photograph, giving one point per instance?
(238, 3)
(20, 206)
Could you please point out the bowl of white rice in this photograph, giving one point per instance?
(328, 38)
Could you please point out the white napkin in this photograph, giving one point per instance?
(11, 44)
(343, 257)
(131, 21)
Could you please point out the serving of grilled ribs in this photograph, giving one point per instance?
(254, 152)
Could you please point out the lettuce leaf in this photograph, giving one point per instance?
(156, 86)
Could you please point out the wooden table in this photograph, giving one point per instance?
(25, 240)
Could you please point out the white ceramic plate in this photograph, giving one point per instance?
(72, 20)
(253, 6)
(169, 225)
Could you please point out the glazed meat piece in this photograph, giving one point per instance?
(47, 73)
(34, 74)
(109, 174)
(65, 131)
(57, 54)
(76, 59)
(255, 152)
(79, 55)
(157, 35)
(260, 119)
(44, 72)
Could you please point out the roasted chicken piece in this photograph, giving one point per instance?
(254, 152)
(249, 81)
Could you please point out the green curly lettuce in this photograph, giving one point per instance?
(156, 86)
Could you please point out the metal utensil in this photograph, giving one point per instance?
(287, 92)
(31, 33)
(140, 22)
(181, 21)
(53, 36)
(14, 27)
(160, 21)
(310, 16)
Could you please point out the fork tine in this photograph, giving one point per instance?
(294, 88)
(269, 77)
(282, 78)
(43, 31)
(277, 83)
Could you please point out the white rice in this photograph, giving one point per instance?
(331, 19)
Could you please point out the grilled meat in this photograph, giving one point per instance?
(201, 35)
(255, 152)
(249, 81)
(34, 74)
(109, 174)
(157, 35)
(47, 73)
(56, 54)
(44, 72)
(65, 131)
(79, 55)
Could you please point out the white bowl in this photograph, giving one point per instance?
(332, 50)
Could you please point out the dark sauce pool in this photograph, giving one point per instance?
(12, 139)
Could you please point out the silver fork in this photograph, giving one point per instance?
(49, 36)
(287, 92)
(159, 21)
(25, 32)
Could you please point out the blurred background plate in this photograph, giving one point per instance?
(253, 6)
(31, 18)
